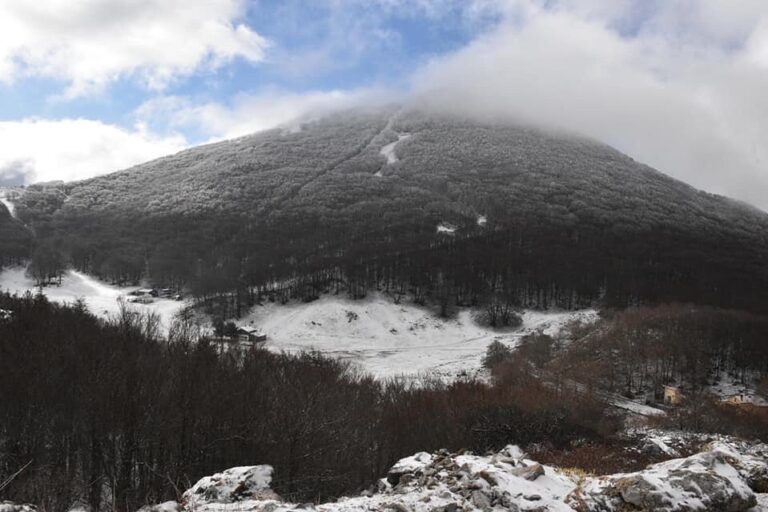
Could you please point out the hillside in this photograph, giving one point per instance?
(446, 209)
(15, 239)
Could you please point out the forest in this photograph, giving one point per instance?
(107, 415)
(112, 415)
(635, 352)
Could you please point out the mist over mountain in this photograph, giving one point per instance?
(429, 204)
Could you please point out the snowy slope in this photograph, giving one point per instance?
(8, 204)
(388, 339)
(101, 298)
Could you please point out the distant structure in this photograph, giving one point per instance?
(673, 395)
(251, 334)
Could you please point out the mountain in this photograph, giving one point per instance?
(445, 208)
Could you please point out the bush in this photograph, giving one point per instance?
(496, 353)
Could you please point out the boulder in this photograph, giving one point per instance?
(231, 486)
(705, 481)
(531, 472)
(408, 466)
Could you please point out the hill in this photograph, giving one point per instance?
(451, 210)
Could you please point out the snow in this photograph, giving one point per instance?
(101, 298)
(662, 445)
(230, 486)
(699, 482)
(389, 339)
(8, 204)
(482, 220)
(388, 151)
(762, 503)
(715, 479)
(446, 229)
(729, 390)
(632, 406)
(412, 464)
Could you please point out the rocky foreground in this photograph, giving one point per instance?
(725, 477)
(728, 476)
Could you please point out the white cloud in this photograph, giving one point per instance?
(91, 43)
(250, 113)
(72, 149)
(682, 87)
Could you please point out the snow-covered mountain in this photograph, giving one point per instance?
(404, 195)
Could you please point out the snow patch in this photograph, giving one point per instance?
(446, 229)
(388, 339)
(388, 151)
(231, 486)
(101, 298)
(731, 391)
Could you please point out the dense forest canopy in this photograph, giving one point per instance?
(536, 218)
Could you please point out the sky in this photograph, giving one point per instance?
(93, 86)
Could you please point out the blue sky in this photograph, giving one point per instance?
(92, 86)
(310, 46)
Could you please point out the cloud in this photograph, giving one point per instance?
(72, 149)
(249, 113)
(91, 43)
(681, 87)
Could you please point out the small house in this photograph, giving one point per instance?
(252, 334)
(673, 395)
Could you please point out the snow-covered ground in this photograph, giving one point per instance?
(388, 339)
(388, 151)
(729, 390)
(101, 298)
(4, 198)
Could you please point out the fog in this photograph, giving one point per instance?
(683, 90)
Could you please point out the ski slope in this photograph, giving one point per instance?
(101, 298)
(388, 339)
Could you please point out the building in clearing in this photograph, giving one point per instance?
(673, 395)
(251, 334)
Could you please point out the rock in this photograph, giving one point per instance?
(231, 486)
(531, 472)
(407, 466)
(9, 506)
(488, 477)
(717, 479)
(480, 500)
(396, 507)
(705, 481)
